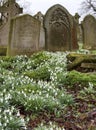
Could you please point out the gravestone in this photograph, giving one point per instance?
(24, 35)
(8, 9)
(39, 16)
(60, 29)
(89, 32)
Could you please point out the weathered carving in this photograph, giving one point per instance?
(59, 17)
(59, 26)
(8, 9)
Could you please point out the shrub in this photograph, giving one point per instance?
(39, 58)
(40, 73)
(49, 126)
(74, 77)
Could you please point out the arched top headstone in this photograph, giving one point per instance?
(57, 13)
(60, 29)
(89, 18)
(89, 32)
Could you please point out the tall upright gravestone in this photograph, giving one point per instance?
(60, 29)
(24, 35)
(8, 9)
(89, 32)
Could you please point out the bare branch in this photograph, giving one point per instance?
(88, 6)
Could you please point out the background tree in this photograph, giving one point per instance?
(26, 4)
(88, 6)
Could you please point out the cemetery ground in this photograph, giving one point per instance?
(40, 93)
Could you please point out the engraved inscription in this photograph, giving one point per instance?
(59, 30)
(25, 35)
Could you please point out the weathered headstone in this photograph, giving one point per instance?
(4, 31)
(39, 16)
(89, 32)
(24, 35)
(8, 9)
(60, 29)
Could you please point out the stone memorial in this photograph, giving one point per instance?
(89, 32)
(24, 35)
(8, 9)
(39, 16)
(60, 29)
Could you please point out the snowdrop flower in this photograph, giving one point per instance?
(29, 90)
(12, 108)
(7, 121)
(18, 113)
(0, 124)
(55, 93)
(1, 100)
(10, 113)
(5, 117)
(91, 85)
(62, 94)
(47, 95)
(25, 95)
(5, 124)
(4, 90)
(1, 94)
(40, 93)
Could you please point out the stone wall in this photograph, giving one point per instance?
(24, 35)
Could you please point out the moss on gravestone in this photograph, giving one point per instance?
(74, 77)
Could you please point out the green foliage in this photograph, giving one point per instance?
(29, 88)
(40, 73)
(37, 84)
(37, 98)
(74, 77)
(49, 126)
(8, 114)
(65, 98)
(39, 58)
(1, 80)
(6, 65)
(88, 92)
(7, 58)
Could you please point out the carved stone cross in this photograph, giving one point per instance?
(9, 9)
